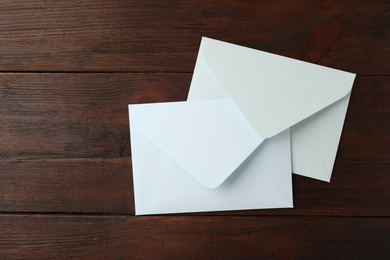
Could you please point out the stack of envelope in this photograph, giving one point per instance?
(251, 120)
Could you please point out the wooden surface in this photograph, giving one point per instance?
(68, 69)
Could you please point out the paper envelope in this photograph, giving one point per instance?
(276, 93)
(205, 156)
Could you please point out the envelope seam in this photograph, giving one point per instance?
(284, 192)
(165, 156)
(215, 76)
(141, 199)
(322, 153)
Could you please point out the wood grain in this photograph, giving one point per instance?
(152, 35)
(65, 145)
(76, 115)
(85, 115)
(65, 162)
(72, 186)
(105, 186)
(125, 237)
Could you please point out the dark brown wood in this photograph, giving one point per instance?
(66, 145)
(67, 185)
(65, 165)
(121, 237)
(62, 133)
(85, 115)
(153, 35)
(105, 186)
(76, 115)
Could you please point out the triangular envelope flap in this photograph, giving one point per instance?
(208, 139)
(272, 91)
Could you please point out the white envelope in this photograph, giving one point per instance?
(276, 93)
(205, 156)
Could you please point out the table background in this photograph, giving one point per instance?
(68, 69)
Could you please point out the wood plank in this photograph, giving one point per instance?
(65, 145)
(152, 35)
(125, 237)
(85, 115)
(105, 186)
(76, 115)
(60, 185)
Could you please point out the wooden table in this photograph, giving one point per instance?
(68, 71)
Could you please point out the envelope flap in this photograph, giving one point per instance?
(208, 139)
(273, 92)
